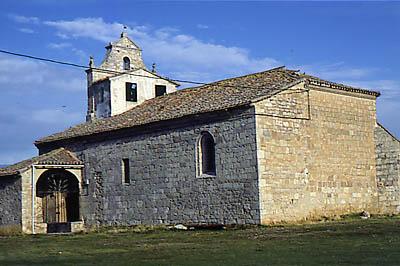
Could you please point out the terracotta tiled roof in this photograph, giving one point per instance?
(215, 96)
(59, 156)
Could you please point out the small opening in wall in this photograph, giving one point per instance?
(131, 92)
(125, 171)
(127, 63)
(206, 154)
(161, 90)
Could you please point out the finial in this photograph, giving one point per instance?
(153, 68)
(91, 62)
(124, 34)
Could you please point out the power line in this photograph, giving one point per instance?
(94, 68)
(119, 72)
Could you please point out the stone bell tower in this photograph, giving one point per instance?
(121, 56)
(122, 80)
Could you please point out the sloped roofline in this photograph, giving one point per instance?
(260, 86)
(44, 159)
(130, 72)
(387, 131)
(115, 43)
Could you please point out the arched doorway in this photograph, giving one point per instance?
(59, 190)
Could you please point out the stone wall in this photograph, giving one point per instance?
(316, 154)
(118, 50)
(164, 188)
(388, 170)
(99, 99)
(10, 200)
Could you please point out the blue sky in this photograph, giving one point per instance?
(357, 43)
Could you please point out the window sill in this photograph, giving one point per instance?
(205, 176)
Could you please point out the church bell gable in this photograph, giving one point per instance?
(122, 80)
(122, 51)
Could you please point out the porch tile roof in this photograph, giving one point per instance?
(59, 156)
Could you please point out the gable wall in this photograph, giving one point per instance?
(388, 170)
(145, 90)
(319, 160)
(164, 188)
(117, 51)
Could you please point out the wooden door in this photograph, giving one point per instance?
(55, 208)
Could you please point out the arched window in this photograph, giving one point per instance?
(206, 154)
(127, 63)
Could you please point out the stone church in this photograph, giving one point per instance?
(273, 146)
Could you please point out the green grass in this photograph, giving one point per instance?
(366, 242)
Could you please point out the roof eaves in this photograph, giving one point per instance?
(10, 173)
(338, 86)
(44, 159)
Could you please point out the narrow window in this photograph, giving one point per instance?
(127, 63)
(161, 90)
(131, 92)
(206, 154)
(125, 171)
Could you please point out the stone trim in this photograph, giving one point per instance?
(342, 92)
(322, 83)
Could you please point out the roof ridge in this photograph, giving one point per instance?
(184, 90)
(245, 75)
(209, 97)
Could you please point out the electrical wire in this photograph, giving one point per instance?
(119, 72)
(94, 68)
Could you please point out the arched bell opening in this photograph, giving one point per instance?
(59, 191)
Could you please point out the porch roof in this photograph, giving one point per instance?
(59, 156)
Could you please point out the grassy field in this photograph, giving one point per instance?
(368, 242)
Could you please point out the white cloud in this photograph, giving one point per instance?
(81, 54)
(365, 78)
(337, 71)
(37, 75)
(64, 45)
(38, 99)
(61, 45)
(390, 89)
(202, 26)
(173, 51)
(62, 36)
(24, 19)
(94, 28)
(26, 30)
